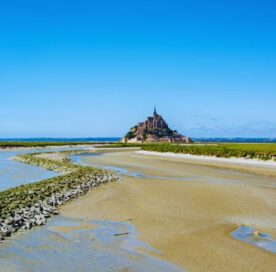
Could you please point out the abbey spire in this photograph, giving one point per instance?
(155, 112)
(154, 129)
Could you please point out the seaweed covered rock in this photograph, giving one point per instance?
(30, 205)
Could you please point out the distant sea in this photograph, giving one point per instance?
(235, 140)
(100, 139)
(116, 139)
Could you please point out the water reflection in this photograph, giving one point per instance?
(13, 173)
(253, 237)
(79, 245)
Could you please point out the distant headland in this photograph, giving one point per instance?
(154, 129)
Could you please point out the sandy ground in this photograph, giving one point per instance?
(188, 220)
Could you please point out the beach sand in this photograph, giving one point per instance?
(187, 209)
(233, 160)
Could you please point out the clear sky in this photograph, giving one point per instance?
(95, 68)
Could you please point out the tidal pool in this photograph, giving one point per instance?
(251, 236)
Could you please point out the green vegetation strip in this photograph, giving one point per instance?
(249, 151)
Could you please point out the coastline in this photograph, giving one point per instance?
(174, 207)
(233, 160)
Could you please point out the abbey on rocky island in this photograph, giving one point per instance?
(154, 129)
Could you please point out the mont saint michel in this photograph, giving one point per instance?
(95, 178)
(154, 129)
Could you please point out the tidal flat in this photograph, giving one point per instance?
(189, 213)
(81, 244)
(164, 214)
(68, 244)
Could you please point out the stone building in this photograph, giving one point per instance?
(154, 129)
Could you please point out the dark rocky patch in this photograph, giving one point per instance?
(30, 205)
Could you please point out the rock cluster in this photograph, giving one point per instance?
(48, 164)
(31, 205)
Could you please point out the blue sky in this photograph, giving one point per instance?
(95, 68)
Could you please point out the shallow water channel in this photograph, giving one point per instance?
(13, 173)
(66, 244)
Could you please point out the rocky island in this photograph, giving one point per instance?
(154, 129)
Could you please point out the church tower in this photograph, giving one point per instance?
(155, 112)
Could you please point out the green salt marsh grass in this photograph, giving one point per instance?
(250, 151)
(263, 151)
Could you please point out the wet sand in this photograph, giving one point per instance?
(188, 220)
(69, 244)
